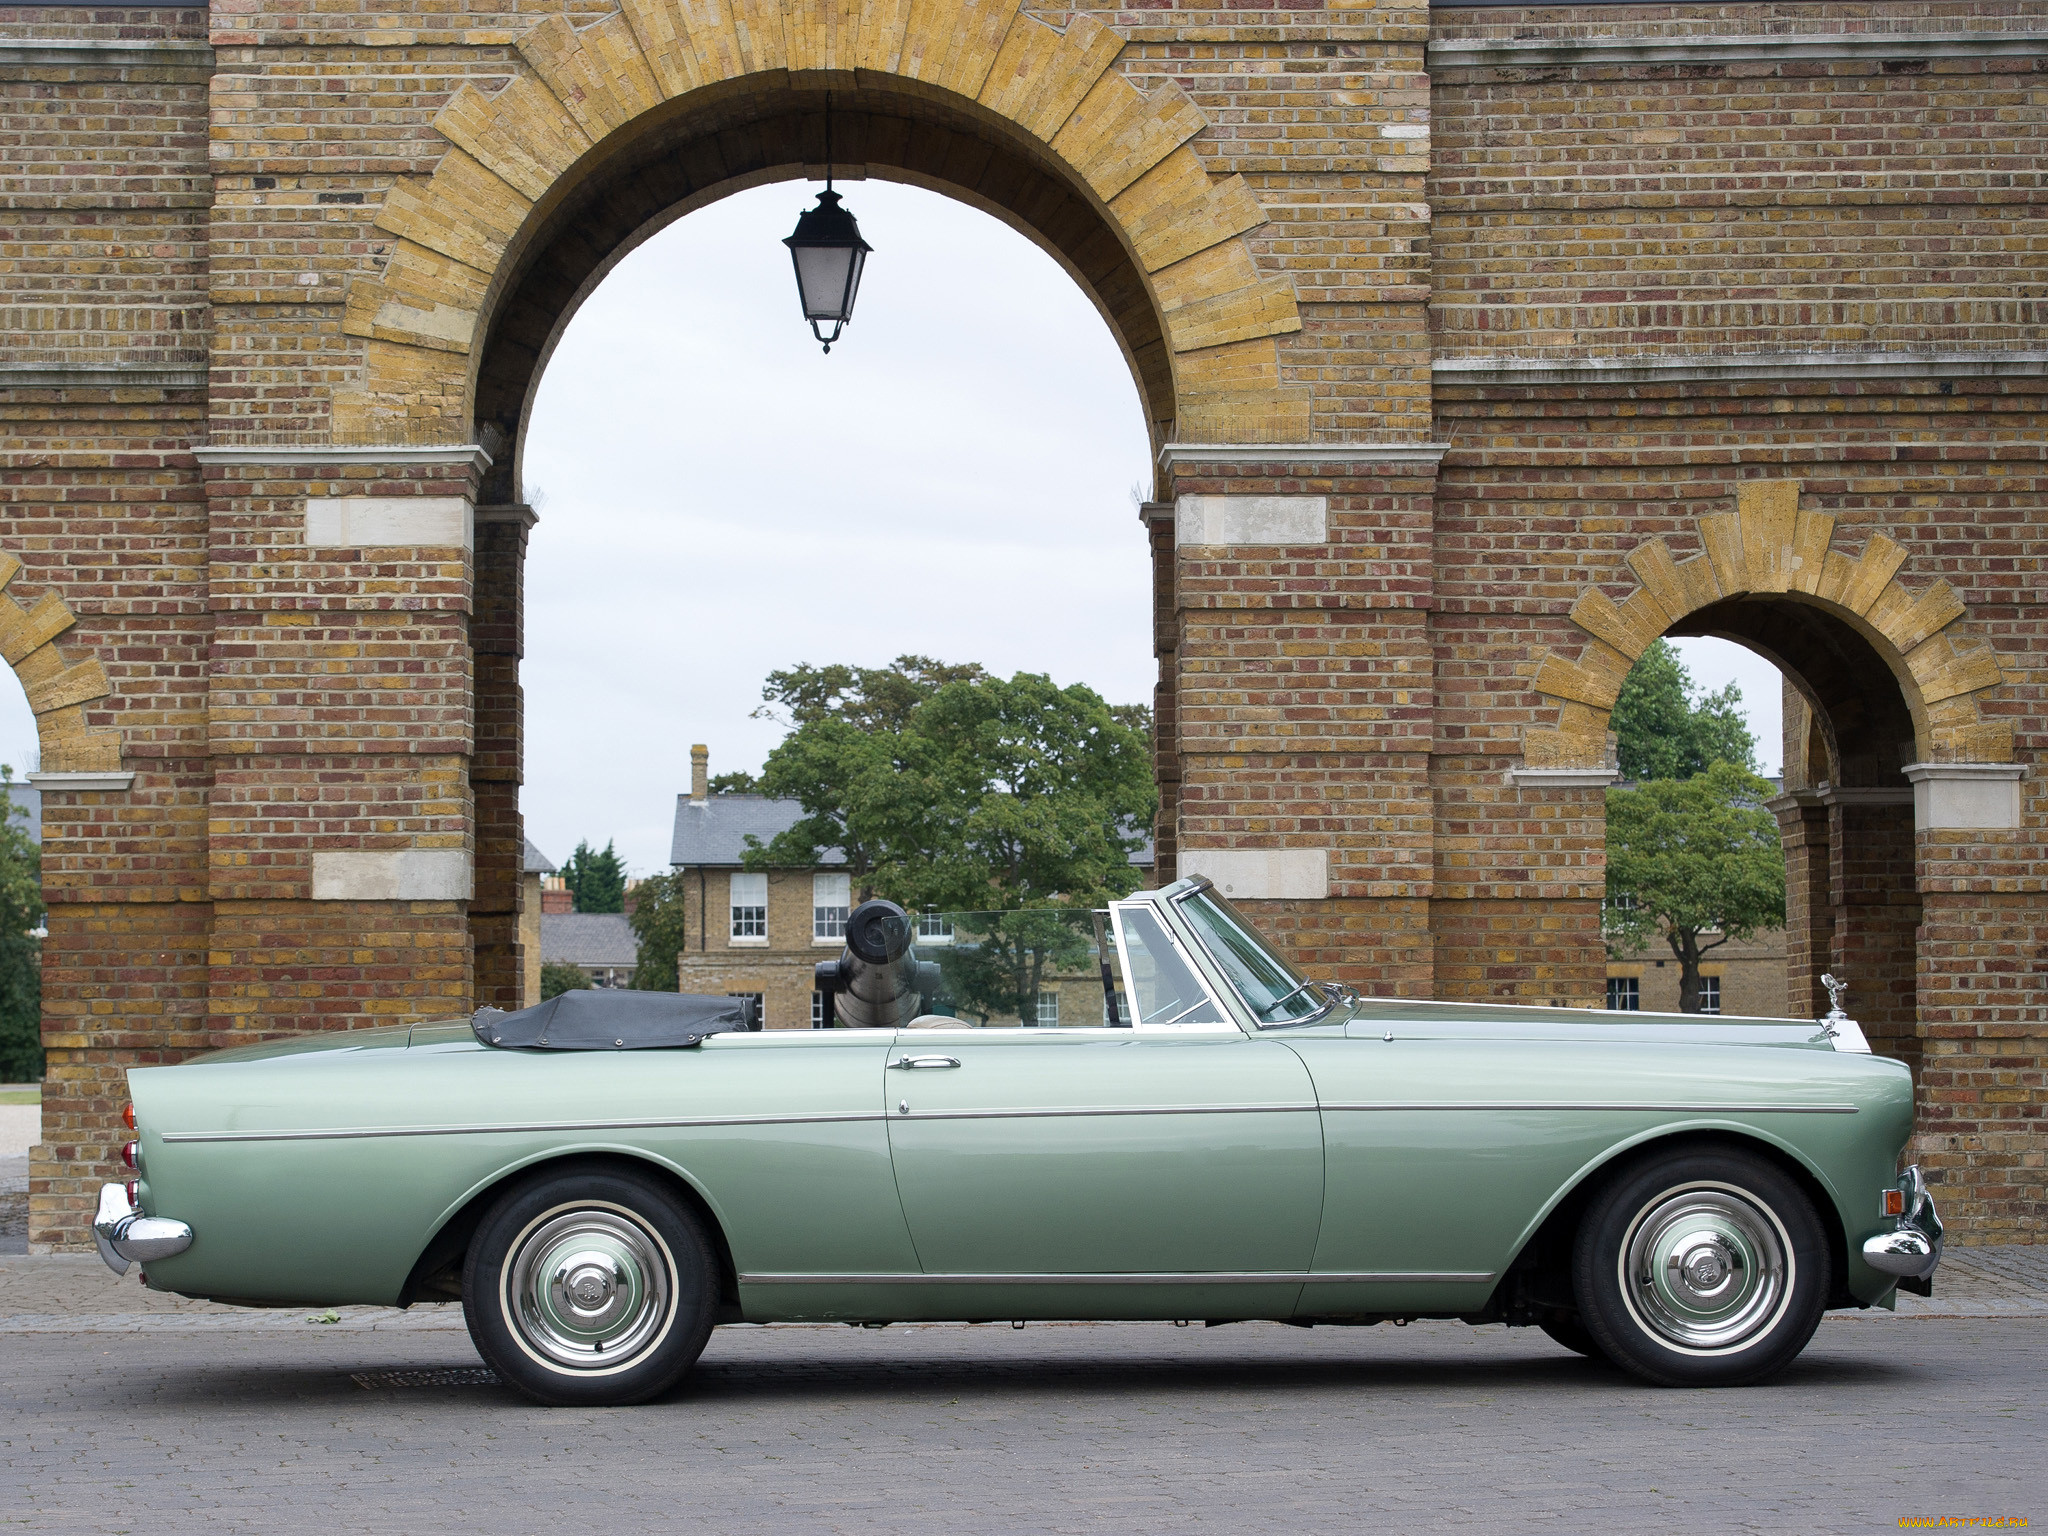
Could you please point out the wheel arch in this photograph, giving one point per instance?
(436, 1274)
(1550, 1234)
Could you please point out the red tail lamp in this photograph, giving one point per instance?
(128, 1116)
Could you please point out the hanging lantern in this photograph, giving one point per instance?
(828, 253)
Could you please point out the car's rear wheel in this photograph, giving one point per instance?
(1701, 1268)
(590, 1287)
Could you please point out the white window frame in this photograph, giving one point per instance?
(760, 1005)
(734, 907)
(1715, 983)
(828, 916)
(1621, 984)
(1051, 996)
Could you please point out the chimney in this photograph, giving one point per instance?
(700, 773)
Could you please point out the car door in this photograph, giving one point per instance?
(1168, 1168)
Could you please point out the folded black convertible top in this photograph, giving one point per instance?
(590, 1019)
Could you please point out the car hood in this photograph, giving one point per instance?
(1410, 1020)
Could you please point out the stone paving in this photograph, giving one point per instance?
(123, 1410)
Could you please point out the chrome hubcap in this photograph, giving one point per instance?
(1706, 1269)
(589, 1289)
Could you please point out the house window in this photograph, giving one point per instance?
(756, 999)
(750, 906)
(831, 897)
(1123, 1010)
(934, 927)
(1048, 1010)
(1710, 994)
(817, 1009)
(1624, 992)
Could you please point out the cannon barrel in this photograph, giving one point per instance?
(877, 982)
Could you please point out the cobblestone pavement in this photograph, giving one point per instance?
(117, 1417)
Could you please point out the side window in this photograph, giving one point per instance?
(831, 899)
(750, 908)
(1162, 986)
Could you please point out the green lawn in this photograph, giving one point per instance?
(21, 1096)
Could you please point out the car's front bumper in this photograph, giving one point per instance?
(1912, 1250)
(124, 1235)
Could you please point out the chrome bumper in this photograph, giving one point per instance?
(125, 1235)
(1913, 1250)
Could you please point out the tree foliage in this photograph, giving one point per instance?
(659, 927)
(1688, 857)
(947, 787)
(737, 783)
(597, 881)
(1667, 729)
(558, 976)
(21, 911)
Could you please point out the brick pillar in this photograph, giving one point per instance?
(1157, 517)
(1876, 915)
(1303, 689)
(340, 711)
(1803, 823)
(497, 641)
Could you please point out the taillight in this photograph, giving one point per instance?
(132, 1154)
(128, 1116)
(134, 1191)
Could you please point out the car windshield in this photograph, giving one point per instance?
(1273, 989)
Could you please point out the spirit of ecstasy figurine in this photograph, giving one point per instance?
(1836, 991)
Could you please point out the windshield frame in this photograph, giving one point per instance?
(1199, 885)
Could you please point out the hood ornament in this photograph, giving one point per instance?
(1837, 990)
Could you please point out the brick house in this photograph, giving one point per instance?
(759, 933)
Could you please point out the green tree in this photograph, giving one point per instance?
(738, 783)
(946, 787)
(868, 698)
(659, 927)
(21, 911)
(597, 881)
(1687, 857)
(557, 977)
(1667, 729)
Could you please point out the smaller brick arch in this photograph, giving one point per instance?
(1771, 548)
(58, 686)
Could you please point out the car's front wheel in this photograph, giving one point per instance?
(1702, 1268)
(589, 1288)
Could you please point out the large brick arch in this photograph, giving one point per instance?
(59, 684)
(1759, 565)
(1069, 151)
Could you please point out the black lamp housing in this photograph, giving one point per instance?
(828, 254)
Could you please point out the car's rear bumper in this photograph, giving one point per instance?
(124, 1235)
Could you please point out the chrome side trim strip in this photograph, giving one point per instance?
(1108, 1111)
(1127, 1277)
(1655, 1109)
(359, 1133)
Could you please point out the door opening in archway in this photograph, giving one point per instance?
(717, 500)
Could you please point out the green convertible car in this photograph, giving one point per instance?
(1139, 1113)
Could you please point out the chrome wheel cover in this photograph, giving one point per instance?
(1706, 1269)
(589, 1289)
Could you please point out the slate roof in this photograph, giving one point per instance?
(535, 862)
(587, 938)
(714, 830)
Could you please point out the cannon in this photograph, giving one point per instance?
(877, 982)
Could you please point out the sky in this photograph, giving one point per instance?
(718, 499)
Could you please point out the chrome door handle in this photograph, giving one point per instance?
(914, 1063)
